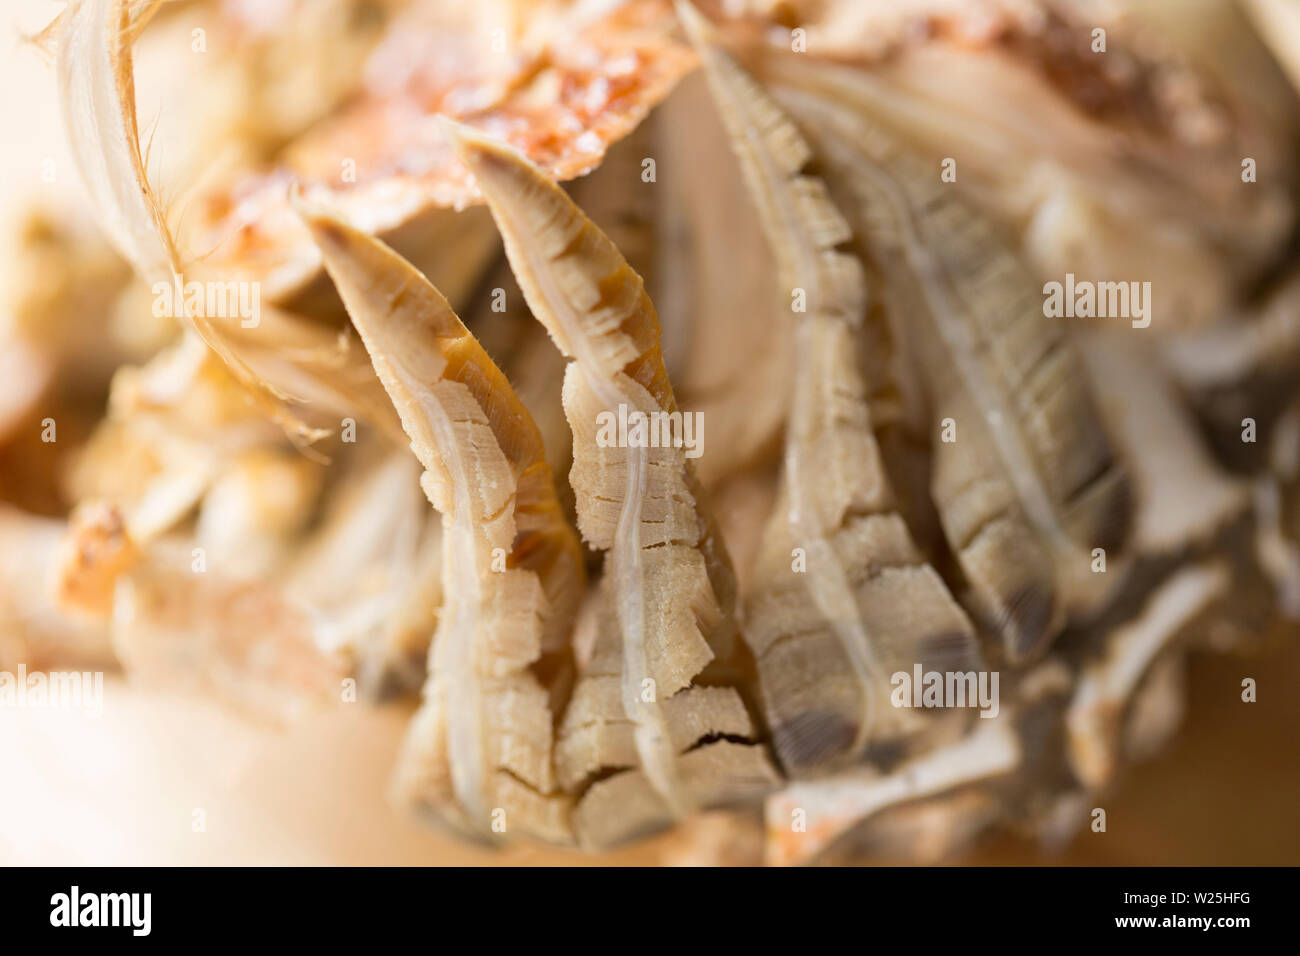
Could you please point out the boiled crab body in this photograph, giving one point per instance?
(838, 261)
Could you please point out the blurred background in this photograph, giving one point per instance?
(122, 789)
